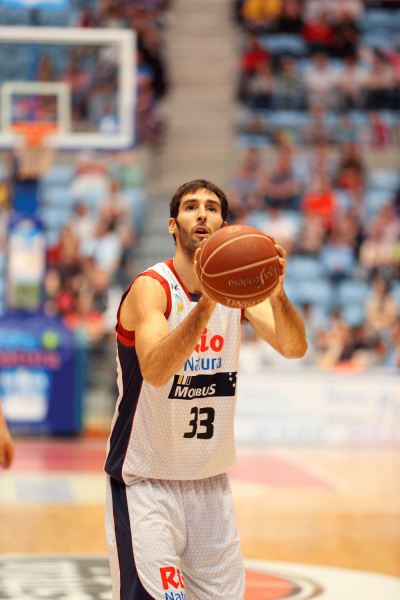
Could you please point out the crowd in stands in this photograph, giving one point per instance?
(320, 96)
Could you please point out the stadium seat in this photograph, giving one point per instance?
(379, 40)
(353, 293)
(58, 196)
(303, 268)
(376, 199)
(53, 217)
(384, 180)
(60, 174)
(136, 198)
(353, 315)
(285, 43)
(395, 291)
(372, 19)
(318, 291)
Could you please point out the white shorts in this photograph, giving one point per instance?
(173, 540)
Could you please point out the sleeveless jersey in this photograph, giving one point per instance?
(183, 430)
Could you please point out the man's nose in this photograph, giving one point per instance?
(201, 213)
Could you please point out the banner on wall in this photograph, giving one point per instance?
(26, 263)
(37, 374)
(316, 407)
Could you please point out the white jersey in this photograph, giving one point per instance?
(183, 430)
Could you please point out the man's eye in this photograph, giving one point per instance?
(190, 206)
(211, 208)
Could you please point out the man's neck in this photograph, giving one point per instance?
(184, 267)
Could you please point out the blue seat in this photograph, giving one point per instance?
(374, 200)
(58, 196)
(384, 180)
(252, 141)
(395, 291)
(379, 40)
(54, 217)
(303, 268)
(354, 315)
(137, 200)
(289, 119)
(285, 43)
(318, 291)
(353, 293)
(372, 19)
(60, 174)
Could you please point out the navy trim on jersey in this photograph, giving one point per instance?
(195, 297)
(132, 380)
(131, 588)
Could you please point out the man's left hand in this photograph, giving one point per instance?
(278, 291)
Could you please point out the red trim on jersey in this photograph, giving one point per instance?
(127, 337)
(170, 264)
(242, 314)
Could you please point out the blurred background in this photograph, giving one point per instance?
(293, 108)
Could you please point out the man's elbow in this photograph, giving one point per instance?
(297, 352)
(153, 379)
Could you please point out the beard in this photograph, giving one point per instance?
(187, 243)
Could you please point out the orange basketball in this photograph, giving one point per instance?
(239, 266)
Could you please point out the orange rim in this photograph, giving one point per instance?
(34, 131)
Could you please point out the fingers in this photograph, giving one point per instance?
(283, 264)
(9, 455)
(281, 251)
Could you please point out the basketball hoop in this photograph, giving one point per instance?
(34, 131)
(34, 158)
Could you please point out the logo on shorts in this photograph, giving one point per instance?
(171, 577)
(188, 387)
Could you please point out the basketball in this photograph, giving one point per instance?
(239, 266)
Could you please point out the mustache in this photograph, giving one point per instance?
(201, 225)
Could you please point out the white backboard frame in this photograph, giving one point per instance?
(124, 39)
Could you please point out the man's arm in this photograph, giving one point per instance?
(277, 321)
(161, 353)
(6, 445)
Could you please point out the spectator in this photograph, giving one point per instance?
(375, 253)
(104, 247)
(379, 83)
(243, 185)
(321, 81)
(290, 18)
(337, 258)
(351, 83)
(279, 187)
(312, 236)
(253, 56)
(148, 118)
(262, 87)
(81, 223)
(281, 227)
(317, 130)
(289, 92)
(345, 36)
(319, 34)
(320, 200)
(332, 342)
(376, 133)
(261, 14)
(150, 46)
(352, 170)
(380, 307)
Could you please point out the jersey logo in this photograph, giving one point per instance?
(172, 577)
(179, 303)
(216, 343)
(188, 387)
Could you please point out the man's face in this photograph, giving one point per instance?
(198, 218)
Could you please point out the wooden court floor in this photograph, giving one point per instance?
(318, 505)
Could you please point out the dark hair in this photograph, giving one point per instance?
(193, 186)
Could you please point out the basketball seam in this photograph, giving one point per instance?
(261, 262)
(235, 296)
(231, 242)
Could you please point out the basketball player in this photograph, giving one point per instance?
(6, 445)
(170, 522)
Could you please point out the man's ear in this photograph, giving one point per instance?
(172, 226)
(225, 224)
